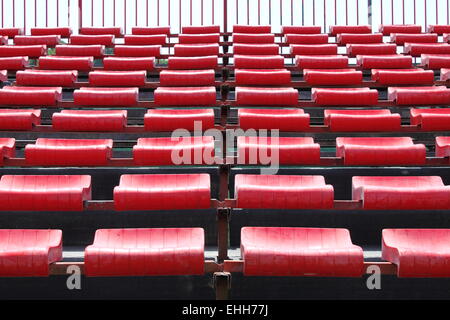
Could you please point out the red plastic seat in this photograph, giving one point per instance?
(66, 63)
(44, 192)
(435, 95)
(11, 32)
(401, 193)
(256, 38)
(286, 150)
(389, 61)
(116, 31)
(371, 49)
(434, 119)
(417, 49)
(442, 147)
(344, 96)
(19, 119)
(89, 120)
(439, 29)
(364, 38)
(28, 252)
(163, 192)
(7, 148)
(362, 120)
(13, 63)
(146, 252)
(251, 29)
(282, 192)
(145, 40)
(446, 37)
(306, 38)
(403, 76)
(3, 40)
(430, 61)
(199, 38)
(258, 62)
(174, 151)
(185, 96)
(117, 78)
(192, 63)
(196, 50)
(50, 41)
(262, 77)
(23, 51)
(314, 49)
(321, 62)
(46, 78)
(287, 120)
(106, 96)
(63, 32)
(168, 120)
(301, 29)
(266, 96)
(69, 152)
(402, 38)
(335, 30)
(256, 49)
(137, 51)
(275, 251)
(387, 29)
(380, 151)
(129, 64)
(332, 76)
(3, 75)
(96, 51)
(32, 96)
(175, 78)
(445, 74)
(422, 253)
(150, 30)
(200, 29)
(82, 40)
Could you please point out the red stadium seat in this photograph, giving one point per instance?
(23, 51)
(262, 77)
(185, 96)
(96, 51)
(313, 49)
(50, 41)
(282, 192)
(174, 151)
(362, 120)
(348, 38)
(13, 63)
(199, 38)
(402, 38)
(32, 96)
(439, 29)
(63, 32)
(196, 50)
(401, 193)
(387, 29)
(3, 75)
(44, 192)
(82, 40)
(11, 32)
(321, 62)
(89, 120)
(344, 96)
(255, 38)
(200, 29)
(275, 251)
(19, 119)
(251, 29)
(434, 119)
(147, 40)
(106, 96)
(117, 78)
(146, 252)
(301, 29)
(421, 253)
(354, 50)
(287, 120)
(403, 76)
(335, 30)
(256, 49)
(28, 252)
(175, 78)
(69, 152)
(436, 95)
(192, 63)
(332, 76)
(129, 64)
(445, 74)
(116, 31)
(3, 40)
(417, 49)
(258, 62)
(306, 38)
(394, 61)
(66, 63)
(163, 192)
(137, 51)
(46, 78)
(446, 37)
(380, 151)
(168, 120)
(266, 96)
(442, 147)
(286, 150)
(7, 148)
(431, 61)
(150, 30)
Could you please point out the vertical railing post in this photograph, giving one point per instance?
(80, 14)
(225, 15)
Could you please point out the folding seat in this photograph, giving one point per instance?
(3, 40)
(146, 252)
(66, 63)
(23, 51)
(301, 29)
(348, 38)
(29, 252)
(439, 29)
(258, 62)
(192, 63)
(175, 78)
(19, 119)
(446, 38)
(255, 38)
(435, 119)
(442, 147)
(438, 95)
(185, 96)
(332, 76)
(11, 32)
(403, 76)
(313, 49)
(96, 51)
(251, 29)
(137, 51)
(431, 61)
(32, 96)
(282, 192)
(150, 30)
(3, 75)
(116, 31)
(145, 40)
(335, 30)
(344, 96)
(380, 151)
(196, 50)
(44, 192)
(401, 193)
(262, 77)
(200, 29)
(129, 63)
(420, 253)
(168, 120)
(285, 120)
(402, 38)
(63, 32)
(89, 120)
(266, 96)
(417, 49)
(281, 251)
(69, 152)
(7, 148)
(163, 192)
(117, 78)
(321, 62)
(46, 78)
(82, 40)
(174, 151)
(445, 74)
(287, 150)
(389, 61)
(199, 38)
(306, 38)
(106, 96)
(362, 120)
(13, 63)
(387, 29)
(50, 41)
(256, 49)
